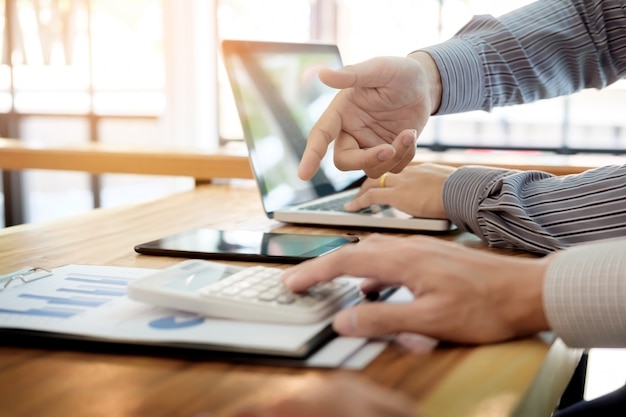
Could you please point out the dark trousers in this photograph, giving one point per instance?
(609, 405)
(573, 405)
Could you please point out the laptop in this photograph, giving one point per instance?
(279, 97)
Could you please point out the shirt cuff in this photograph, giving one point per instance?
(464, 191)
(462, 78)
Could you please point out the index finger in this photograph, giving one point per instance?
(308, 273)
(359, 260)
(320, 137)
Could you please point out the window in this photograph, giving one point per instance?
(368, 28)
(101, 71)
(144, 73)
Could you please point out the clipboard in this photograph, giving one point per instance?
(85, 307)
(24, 275)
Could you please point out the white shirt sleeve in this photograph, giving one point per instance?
(585, 294)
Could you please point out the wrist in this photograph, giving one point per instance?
(433, 78)
(434, 177)
(523, 306)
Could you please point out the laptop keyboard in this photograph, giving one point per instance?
(330, 205)
(336, 204)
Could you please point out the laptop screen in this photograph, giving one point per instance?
(279, 98)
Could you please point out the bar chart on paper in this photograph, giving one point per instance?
(89, 302)
(73, 295)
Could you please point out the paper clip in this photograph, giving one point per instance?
(26, 275)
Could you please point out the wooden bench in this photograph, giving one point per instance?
(101, 158)
(232, 161)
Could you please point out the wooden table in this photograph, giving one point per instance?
(519, 378)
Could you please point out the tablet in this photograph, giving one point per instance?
(245, 245)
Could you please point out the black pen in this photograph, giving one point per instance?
(381, 295)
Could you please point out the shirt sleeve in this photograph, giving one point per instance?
(585, 295)
(546, 49)
(537, 211)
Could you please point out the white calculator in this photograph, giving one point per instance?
(253, 293)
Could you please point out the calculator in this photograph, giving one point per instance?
(254, 293)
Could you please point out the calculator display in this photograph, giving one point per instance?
(193, 281)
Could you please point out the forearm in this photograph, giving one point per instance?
(536, 211)
(585, 295)
(546, 49)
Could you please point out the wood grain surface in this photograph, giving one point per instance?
(46, 380)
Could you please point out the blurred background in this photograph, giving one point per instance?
(147, 73)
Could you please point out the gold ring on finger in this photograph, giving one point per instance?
(382, 180)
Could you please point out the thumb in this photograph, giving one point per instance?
(362, 74)
(338, 78)
(375, 72)
(374, 320)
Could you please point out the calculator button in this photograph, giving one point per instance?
(262, 285)
(268, 295)
(254, 279)
(249, 293)
(243, 284)
(230, 290)
(307, 301)
(285, 298)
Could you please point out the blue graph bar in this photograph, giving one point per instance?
(99, 280)
(77, 293)
(47, 312)
(111, 292)
(173, 322)
(72, 301)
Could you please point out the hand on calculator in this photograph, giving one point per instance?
(242, 293)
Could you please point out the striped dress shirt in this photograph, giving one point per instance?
(547, 49)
